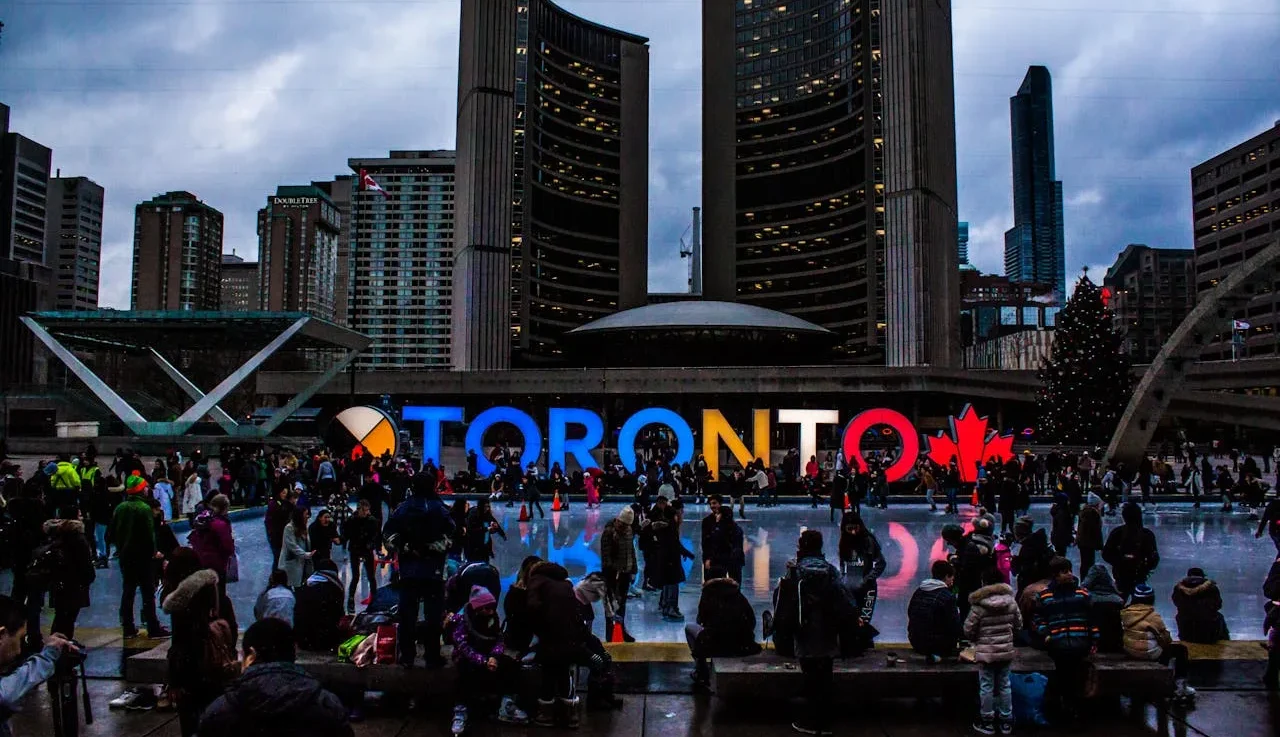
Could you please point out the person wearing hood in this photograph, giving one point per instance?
(722, 540)
(725, 626)
(323, 534)
(202, 653)
(1199, 604)
(933, 619)
(671, 554)
(1131, 550)
(318, 609)
(484, 671)
(274, 695)
(480, 528)
(555, 617)
(1062, 618)
(1032, 560)
(277, 600)
(133, 529)
(618, 564)
(974, 553)
(1147, 638)
(1105, 604)
(602, 679)
(211, 537)
(992, 625)
(861, 564)
(420, 528)
(1089, 531)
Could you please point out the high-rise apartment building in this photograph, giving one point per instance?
(1035, 248)
(553, 139)
(962, 243)
(1236, 214)
(73, 236)
(339, 191)
(240, 288)
(402, 262)
(177, 254)
(24, 193)
(1152, 291)
(298, 234)
(829, 169)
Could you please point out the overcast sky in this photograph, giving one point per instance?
(230, 98)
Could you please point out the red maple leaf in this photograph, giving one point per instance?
(970, 443)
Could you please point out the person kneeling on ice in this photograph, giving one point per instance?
(1147, 638)
(484, 671)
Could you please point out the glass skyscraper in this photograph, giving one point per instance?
(1034, 249)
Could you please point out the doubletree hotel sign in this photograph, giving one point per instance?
(968, 441)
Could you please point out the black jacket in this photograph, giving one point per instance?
(722, 541)
(317, 611)
(1199, 617)
(361, 535)
(933, 619)
(1031, 564)
(275, 700)
(1131, 551)
(553, 612)
(728, 621)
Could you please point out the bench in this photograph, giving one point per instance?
(871, 675)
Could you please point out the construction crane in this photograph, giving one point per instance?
(692, 249)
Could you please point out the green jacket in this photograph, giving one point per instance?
(66, 478)
(133, 530)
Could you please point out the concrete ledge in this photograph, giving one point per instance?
(746, 678)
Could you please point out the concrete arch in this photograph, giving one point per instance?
(1166, 376)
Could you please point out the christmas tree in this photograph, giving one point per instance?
(1085, 384)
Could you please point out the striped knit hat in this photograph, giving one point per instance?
(135, 484)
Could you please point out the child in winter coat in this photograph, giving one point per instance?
(994, 619)
(484, 671)
(1147, 638)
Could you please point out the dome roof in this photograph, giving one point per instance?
(700, 315)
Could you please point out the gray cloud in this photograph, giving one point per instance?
(229, 99)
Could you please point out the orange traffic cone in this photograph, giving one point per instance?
(847, 506)
(974, 500)
(555, 502)
(524, 513)
(615, 634)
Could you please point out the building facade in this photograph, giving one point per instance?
(992, 306)
(339, 190)
(1035, 248)
(298, 234)
(241, 291)
(811, 118)
(402, 259)
(1152, 291)
(24, 193)
(553, 141)
(962, 243)
(74, 240)
(177, 254)
(24, 287)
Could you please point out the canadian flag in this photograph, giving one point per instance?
(367, 182)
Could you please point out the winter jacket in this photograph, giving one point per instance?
(163, 491)
(553, 612)
(361, 536)
(1199, 616)
(668, 556)
(14, 686)
(1145, 635)
(994, 619)
(617, 547)
(1131, 549)
(212, 540)
(424, 523)
(1062, 618)
(1271, 585)
(810, 606)
(292, 557)
(318, 607)
(278, 602)
(727, 619)
(517, 630)
(321, 539)
(1089, 529)
(275, 700)
(72, 583)
(471, 643)
(275, 520)
(1105, 604)
(861, 560)
(189, 606)
(457, 590)
(1032, 561)
(933, 620)
(722, 541)
(133, 529)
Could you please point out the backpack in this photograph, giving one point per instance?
(48, 568)
(807, 593)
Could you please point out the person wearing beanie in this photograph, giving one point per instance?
(618, 564)
(1199, 603)
(485, 673)
(134, 532)
(1131, 550)
(1147, 638)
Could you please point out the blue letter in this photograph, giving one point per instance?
(492, 416)
(558, 421)
(654, 416)
(432, 417)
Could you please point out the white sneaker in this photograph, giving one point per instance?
(125, 700)
(510, 713)
(459, 720)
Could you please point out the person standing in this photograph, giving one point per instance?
(1131, 550)
(618, 563)
(861, 564)
(1062, 619)
(69, 589)
(1269, 522)
(202, 656)
(323, 535)
(1089, 531)
(279, 510)
(134, 531)
(363, 538)
(671, 554)
(419, 531)
(994, 619)
(295, 552)
(212, 540)
(722, 541)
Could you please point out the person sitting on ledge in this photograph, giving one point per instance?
(1199, 604)
(725, 627)
(933, 619)
(318, 609)
(1147, 638)
(1104, 608)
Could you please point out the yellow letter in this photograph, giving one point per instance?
(715, 428)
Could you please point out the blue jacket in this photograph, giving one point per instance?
(36, 670)
(1062, 618)
(423, 523)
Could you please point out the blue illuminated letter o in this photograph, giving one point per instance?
(654, 416)
(494, 415)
